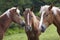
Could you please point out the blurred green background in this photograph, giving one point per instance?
(6, 4)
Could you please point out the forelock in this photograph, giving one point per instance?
(44, 8)
(18, 11)
(27, 9)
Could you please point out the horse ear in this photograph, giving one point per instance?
(50, 7)
(32, 9)
(16, 5)
(23, 8)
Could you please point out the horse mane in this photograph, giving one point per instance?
(7, 12)
(54, 8)
(47, 6)
(38, 18)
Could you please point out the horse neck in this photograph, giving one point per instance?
(56, 23)
(35, 18)
(5, 20)
(35, 21)
(38, 18)
(57, 19)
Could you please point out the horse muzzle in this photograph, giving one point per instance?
(22, 24)
(28, 28)
(43, 28)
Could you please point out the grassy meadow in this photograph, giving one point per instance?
(49, 34)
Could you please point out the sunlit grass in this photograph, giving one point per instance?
(21, 36)
(49, 34)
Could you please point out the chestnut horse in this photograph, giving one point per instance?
(49, 15)
(31, 26)
(11, 15)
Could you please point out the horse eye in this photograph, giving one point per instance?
(31, 16)
(47, 15)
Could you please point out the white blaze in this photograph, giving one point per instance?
(28, 18)
(41, 21)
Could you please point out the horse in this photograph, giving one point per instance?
(31, 24)
(49, 15)
(11, 15)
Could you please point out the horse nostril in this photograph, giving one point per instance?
(28, 28)
(42, 29)
(23, 24)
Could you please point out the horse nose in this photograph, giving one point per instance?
(42, 28)
(22, 24)
(28, 28)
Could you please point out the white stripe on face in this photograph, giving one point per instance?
(41, 21)
(28, 18)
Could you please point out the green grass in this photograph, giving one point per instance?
(49, 34)
(21, 36)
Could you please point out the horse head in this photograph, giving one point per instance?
(46, 17)
(14, 14)
(28, 18)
